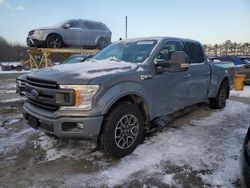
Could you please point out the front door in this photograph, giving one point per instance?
(171, 87)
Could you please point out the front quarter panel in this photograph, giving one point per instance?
(111, 95)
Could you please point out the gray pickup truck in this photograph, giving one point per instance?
(124, 91)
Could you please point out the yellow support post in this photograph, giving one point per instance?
(46, 52)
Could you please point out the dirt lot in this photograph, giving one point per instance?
(200, 149)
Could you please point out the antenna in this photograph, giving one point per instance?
(126, 27)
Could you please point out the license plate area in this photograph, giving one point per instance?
(33, 122)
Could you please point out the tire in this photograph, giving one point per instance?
(102, 43)
(54, 41)
(219, 101)
(26, 66)
(19, 68)
(122, 131)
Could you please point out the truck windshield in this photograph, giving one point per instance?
(134, 52)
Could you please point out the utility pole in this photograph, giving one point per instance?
(126, 27)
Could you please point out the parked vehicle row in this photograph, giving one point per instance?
(242, 64)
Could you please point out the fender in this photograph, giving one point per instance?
(215, 84)
(121, 90)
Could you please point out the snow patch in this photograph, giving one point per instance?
(19, 99)
(244, 93)
(53, 150)
(15, 141)
(92, 68)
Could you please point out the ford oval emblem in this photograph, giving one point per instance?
(34, 93)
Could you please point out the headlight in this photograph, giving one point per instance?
(38, 32)
(83, 96)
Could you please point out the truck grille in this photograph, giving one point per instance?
(42, 83)
(46, 94)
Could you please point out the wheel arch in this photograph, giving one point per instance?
(100, 37)
(214, 87)
(136, 99)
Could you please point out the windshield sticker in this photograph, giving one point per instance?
(145, 42)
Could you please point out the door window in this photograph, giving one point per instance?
(167, 50)
(195, 52)
(74, 24)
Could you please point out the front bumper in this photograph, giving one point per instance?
(65, 127)
(35, 42)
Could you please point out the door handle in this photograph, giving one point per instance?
(207, 73)
(187, 75)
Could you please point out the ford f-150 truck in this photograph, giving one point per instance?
(123, 91)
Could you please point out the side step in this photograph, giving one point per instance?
(160, 122)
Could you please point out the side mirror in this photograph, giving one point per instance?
(66, 26)
(177, 63)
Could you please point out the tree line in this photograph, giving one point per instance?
(10, 52)
(228, 48)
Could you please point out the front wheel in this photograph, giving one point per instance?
(54, 41)
(219, 101)
(123, 130)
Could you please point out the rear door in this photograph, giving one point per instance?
(72, 35)
(199, 73)
(89, 33)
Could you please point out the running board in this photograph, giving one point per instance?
(163, 121)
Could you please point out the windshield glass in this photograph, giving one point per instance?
(74, 59)
(134, 52)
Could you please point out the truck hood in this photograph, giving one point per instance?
(84, 72)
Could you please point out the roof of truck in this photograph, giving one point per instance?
(159, 38)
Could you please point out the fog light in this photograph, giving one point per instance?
(80, 125)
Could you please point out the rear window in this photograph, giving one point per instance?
(195, 52)
(95, 26)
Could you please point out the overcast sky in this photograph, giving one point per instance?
(209, 21)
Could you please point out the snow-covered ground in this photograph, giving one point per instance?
(244, 93)
(209, 147)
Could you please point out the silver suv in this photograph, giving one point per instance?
(79, 32)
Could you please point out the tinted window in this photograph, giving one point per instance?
(168, 48)
(74, 24)
(95, 26)
(195, 52)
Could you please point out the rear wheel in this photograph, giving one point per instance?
(102, 43)
(219, 101)
(54, 41)
(123, 130)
